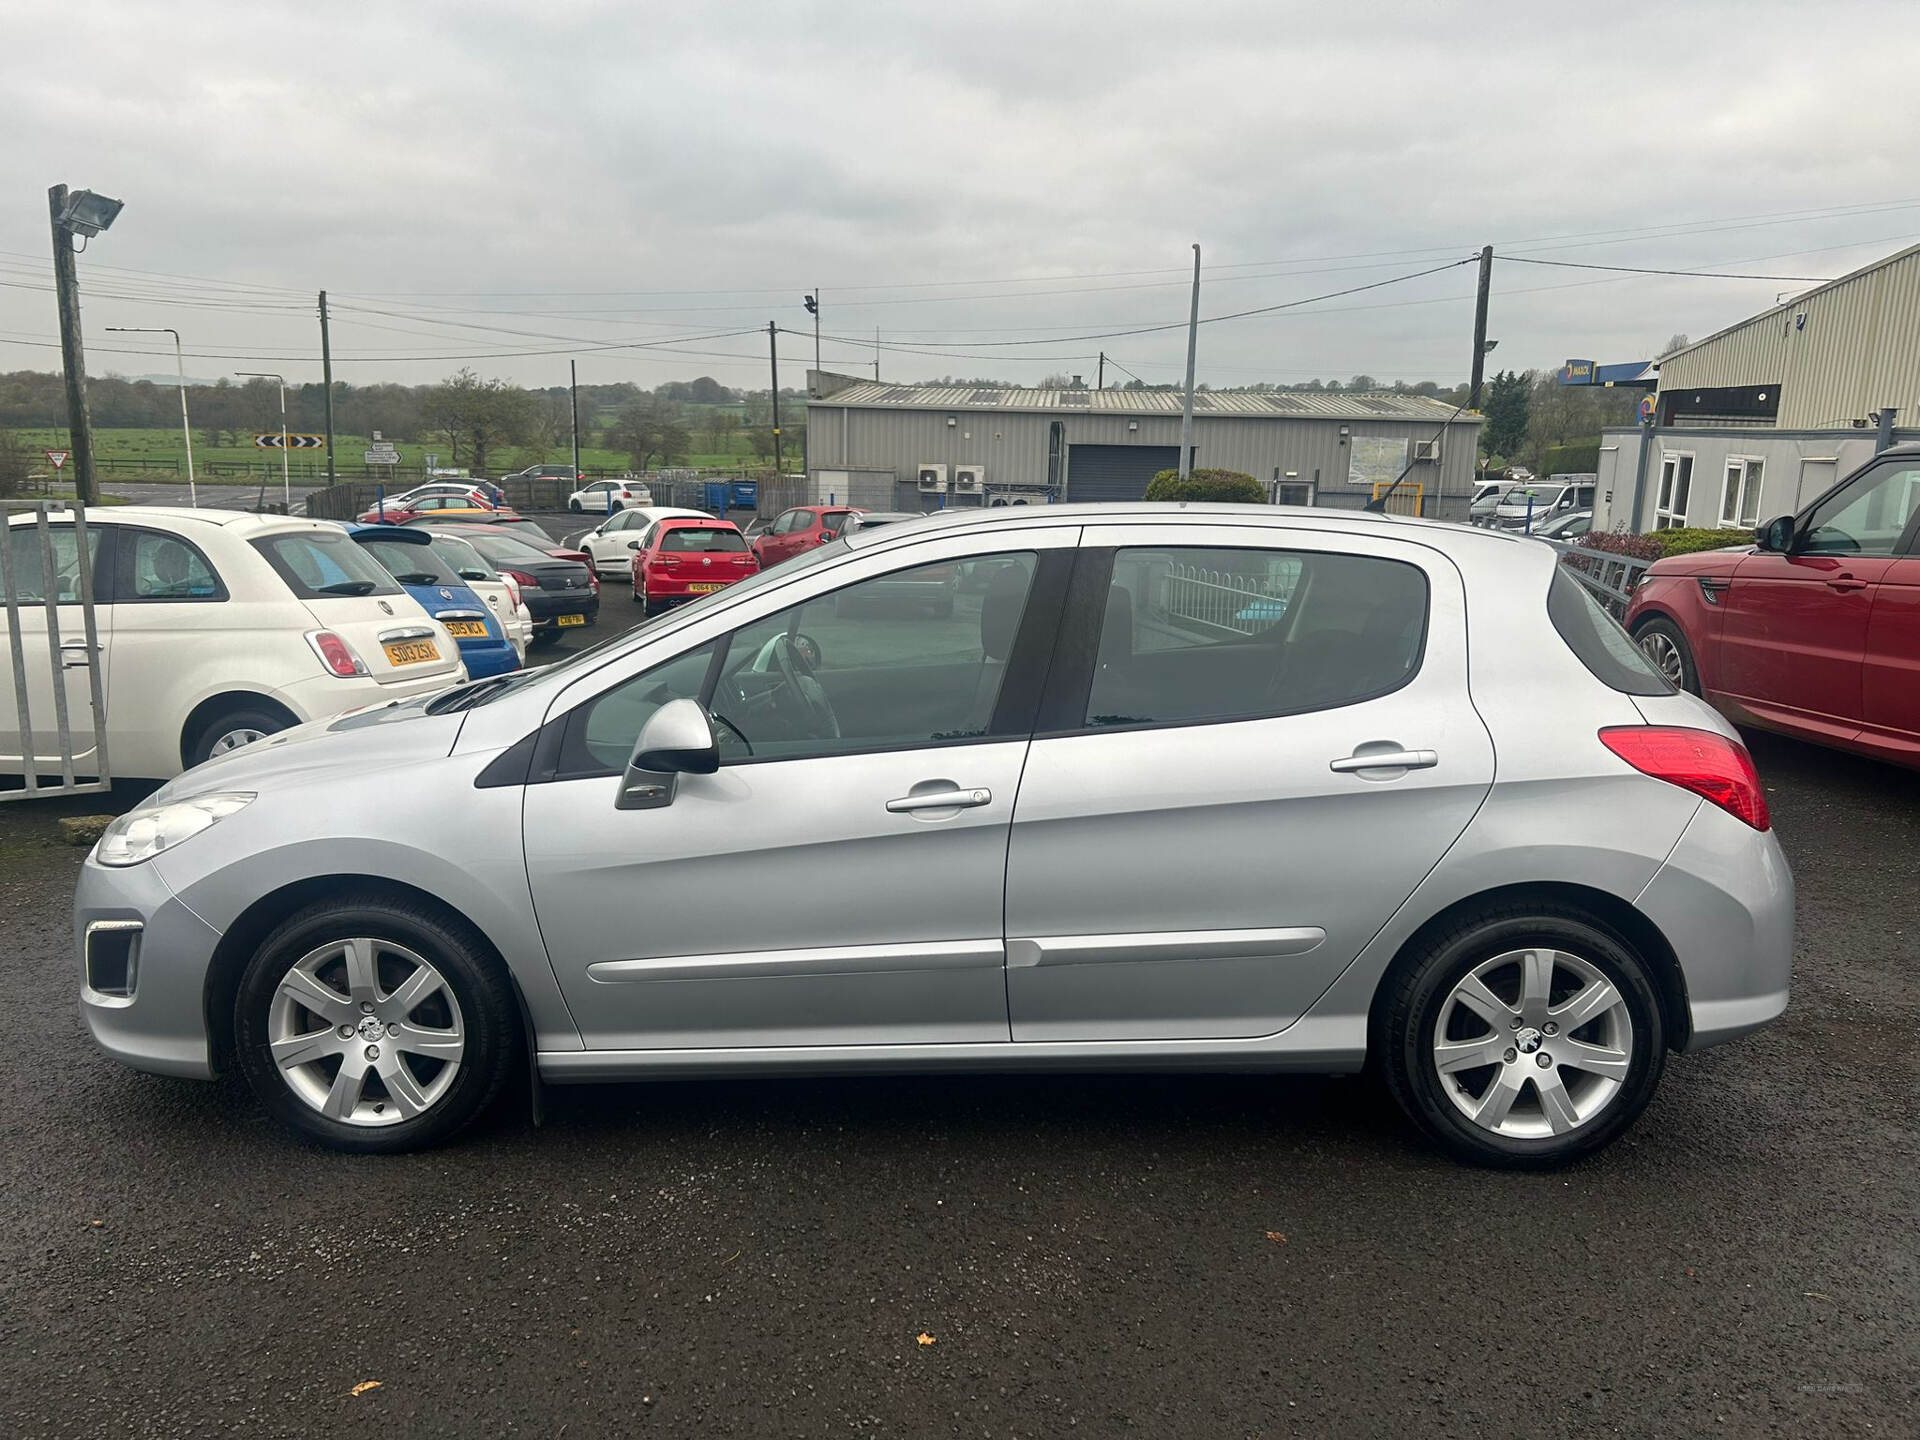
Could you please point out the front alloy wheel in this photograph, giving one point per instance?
(374, 1024)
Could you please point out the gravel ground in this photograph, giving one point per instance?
(1158, 1255)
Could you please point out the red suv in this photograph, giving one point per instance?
(1814, 632)
(683, 559)
(800, 529)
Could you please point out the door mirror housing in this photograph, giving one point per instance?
(677, 740)
(1776, 535)
(633, 544)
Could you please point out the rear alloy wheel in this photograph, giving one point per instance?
(1662, 643)
(229, 731)
(373, 1026)
(1524, 1040)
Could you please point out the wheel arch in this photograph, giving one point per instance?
(204, 713)
(243, 937)
(1607, 910)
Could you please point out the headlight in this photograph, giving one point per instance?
(142, 834)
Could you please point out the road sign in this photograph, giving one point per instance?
(294, 442)
(382, 454)
(57, 458)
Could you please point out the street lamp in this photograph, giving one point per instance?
(84, 214)
(286, 486)
(180, 364)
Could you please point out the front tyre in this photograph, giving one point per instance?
(374, 1025)
(1523, 1039)
(1662, 642)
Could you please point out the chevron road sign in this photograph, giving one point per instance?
(294, 442)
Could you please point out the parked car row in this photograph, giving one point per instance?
(216, 628)
(1529, 506)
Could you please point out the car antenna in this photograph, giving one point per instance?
(1378, 505)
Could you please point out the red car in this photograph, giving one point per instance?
(683, 559)
(1815, 631)
(402, 508)
(799, 529)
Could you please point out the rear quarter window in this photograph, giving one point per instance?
(1597, 639)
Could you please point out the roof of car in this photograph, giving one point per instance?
(236, 522)
(695, 522)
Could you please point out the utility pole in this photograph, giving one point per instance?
(773, 356)
(812, 302)
(1480, 327)
(876, 352)
(573, 395)
(66, 284)
(326, 375)
(180, 365)
(1100, 383)
(1193, 342)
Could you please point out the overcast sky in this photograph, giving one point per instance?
(481, 177)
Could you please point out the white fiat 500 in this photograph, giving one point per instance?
(213, 627)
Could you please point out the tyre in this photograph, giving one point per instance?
(373, 1025)
(230, 729)
(1522, 1039)
(1662, 642)
(576, 507)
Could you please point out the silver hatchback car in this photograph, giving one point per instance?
(1174, 787)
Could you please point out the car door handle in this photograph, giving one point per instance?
(955, 799)
(73, 653)
(1387, 760)
(1846, 582)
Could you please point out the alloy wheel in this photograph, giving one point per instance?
(234, 739)
(1658, 647)
(1533, 1043)
(366, 1032)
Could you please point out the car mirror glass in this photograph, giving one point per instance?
(676, 740)
(633, 544)
(1776, 535)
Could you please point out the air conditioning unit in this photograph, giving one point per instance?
(933, 479)
(969, 479)
(1427, 450)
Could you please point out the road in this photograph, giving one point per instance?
(1156, 1255)
(221, 497)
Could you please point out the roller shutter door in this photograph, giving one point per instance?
(1116, 472)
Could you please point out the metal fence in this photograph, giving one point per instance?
(55, 700)
(1613, 578)
(1223, 600)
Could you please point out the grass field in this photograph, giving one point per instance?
(160, 455)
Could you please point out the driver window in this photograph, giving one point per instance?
(29, 571)
(1867, 518)
(784, 525)
(907, 659)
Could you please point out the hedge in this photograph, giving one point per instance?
(1581, 457)
(1660, 543)
(1233, 487)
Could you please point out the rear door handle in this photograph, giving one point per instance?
(1387, 760)
(1846, 582)
(955, 799)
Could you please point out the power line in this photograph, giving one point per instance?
(1648, 270)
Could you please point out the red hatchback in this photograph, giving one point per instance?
(1814, 632)
(800, 529)
(681, 559)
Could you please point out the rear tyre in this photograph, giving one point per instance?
(1662, 642)
(576, 507)
(1522, 1039)
(231, 729)
(374, 1025)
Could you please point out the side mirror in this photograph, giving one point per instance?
(633, 544)
(1776, 535)
(678, 740)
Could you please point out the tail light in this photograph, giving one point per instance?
(335, 654)
(1710, 765)
(520, 577)
(668, 557)
(513, 589)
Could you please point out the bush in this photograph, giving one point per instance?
(1580, 457)
(1661, 543)
(1231, 487)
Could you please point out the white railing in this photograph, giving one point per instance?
(1223, 600)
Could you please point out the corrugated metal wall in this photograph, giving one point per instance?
(1013, 445)
(1858, 349)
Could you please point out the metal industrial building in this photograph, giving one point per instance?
(923, 446)
(1756, 420)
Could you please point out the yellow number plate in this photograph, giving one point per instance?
(467, 629)
(570, 620)
(703, 589)
(410, 652)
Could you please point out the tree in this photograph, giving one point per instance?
(485, 413)
(1506, 427)
(722, 425)
(647, 431)
(1676, 341)
(1232, 487)
(1363, 382)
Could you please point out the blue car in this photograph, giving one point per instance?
(408, 556)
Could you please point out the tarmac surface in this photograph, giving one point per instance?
(987, 1256)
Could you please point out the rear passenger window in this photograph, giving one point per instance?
(165, 567)
(1217, 634)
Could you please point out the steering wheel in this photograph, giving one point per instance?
(819, 712)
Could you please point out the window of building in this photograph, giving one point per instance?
(1740, 492)
(1221, 634)
(1676, 483)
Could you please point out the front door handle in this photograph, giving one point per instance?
(73, 653)
(955, 799)
(1846, 582)
(1387, 760)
